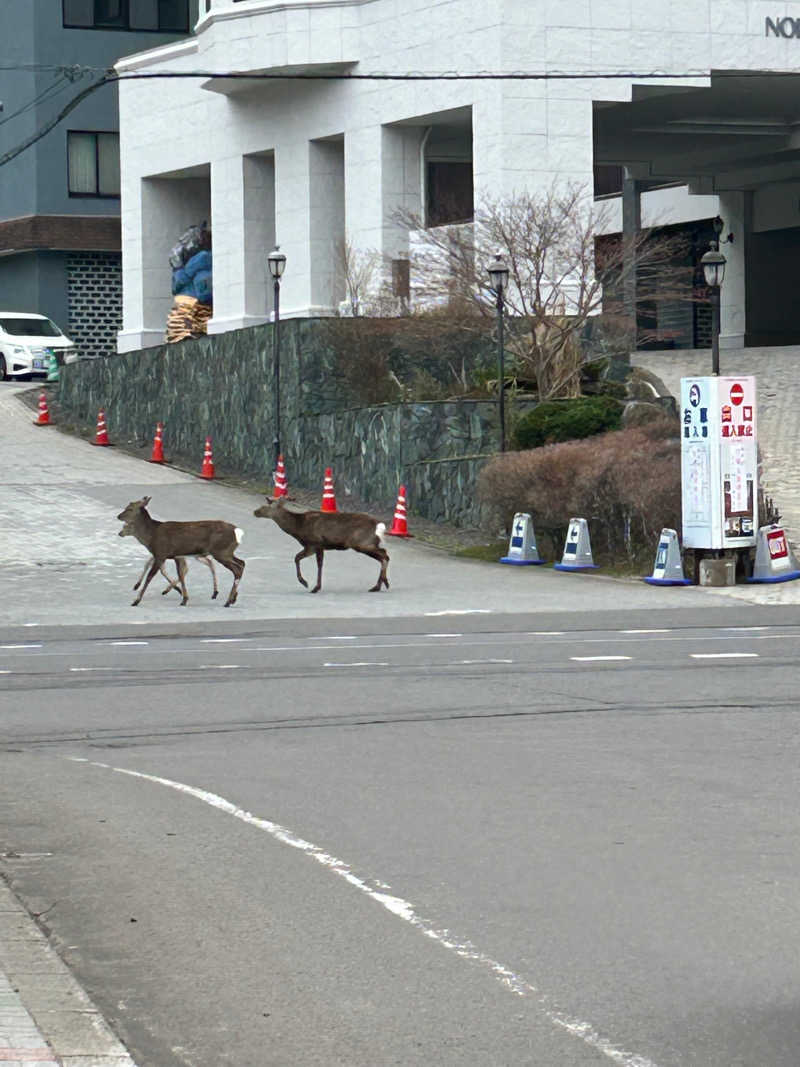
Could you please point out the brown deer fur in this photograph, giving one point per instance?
(319, 531)
(174, 583)
(173, 540)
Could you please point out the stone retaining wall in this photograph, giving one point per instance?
(222, 387)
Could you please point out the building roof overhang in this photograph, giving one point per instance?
(740, 131)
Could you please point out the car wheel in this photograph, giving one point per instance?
(3, 370)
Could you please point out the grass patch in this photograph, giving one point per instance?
(488, 553)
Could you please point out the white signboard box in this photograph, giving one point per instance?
(719, 462)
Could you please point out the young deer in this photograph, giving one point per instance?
(128, 531)
(318, 531)
(174, 540)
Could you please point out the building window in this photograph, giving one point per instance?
(93, 163)
(608, 179)
(449, 193)
(159, 16)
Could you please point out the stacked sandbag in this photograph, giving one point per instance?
(188, 318)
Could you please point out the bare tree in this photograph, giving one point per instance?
(556, 282)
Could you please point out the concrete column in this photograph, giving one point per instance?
(166, 208)
(227, 235)
(293, 227)
(735, 209)
(327, 231)
(259, 235)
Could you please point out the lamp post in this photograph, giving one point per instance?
(713, 263)
(498, 280)
(277, 261)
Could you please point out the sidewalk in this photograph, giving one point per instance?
(46, 1018)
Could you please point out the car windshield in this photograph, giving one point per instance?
(30, 327)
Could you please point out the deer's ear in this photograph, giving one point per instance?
(145, 501)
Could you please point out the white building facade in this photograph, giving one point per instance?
(682, 94)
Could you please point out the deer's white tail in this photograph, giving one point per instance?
(380, 530)
(239, 534)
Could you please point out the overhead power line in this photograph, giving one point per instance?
(109, 76)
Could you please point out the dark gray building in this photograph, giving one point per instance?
(59, 198)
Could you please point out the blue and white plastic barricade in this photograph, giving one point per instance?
(522, 550)
(668, 568)
(577, 548)
(775, 561)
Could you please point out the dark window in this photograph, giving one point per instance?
(93, 163)
(449, 193)
(607, 179)
(158, 16)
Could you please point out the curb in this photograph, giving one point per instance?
(46, 1018)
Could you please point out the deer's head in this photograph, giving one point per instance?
(131, 512)
(269, 508)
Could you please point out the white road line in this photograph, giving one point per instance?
(222, 640)
(594, 659)
(579, 1028)
(363, 664)
(723, 655)
(83, 670)
(444, 635)
(466, 611)
(331, 637)
(745, 627)
(545, 633)
(220, 666)
(123, 643)
(5, 672)
(19, 646)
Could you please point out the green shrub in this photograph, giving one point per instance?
(568, 420)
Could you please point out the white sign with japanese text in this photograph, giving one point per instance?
(719, 462)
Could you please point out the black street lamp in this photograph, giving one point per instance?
(498, 275)
(713, 264)
(277, 261)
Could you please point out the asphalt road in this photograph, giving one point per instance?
(559, 829)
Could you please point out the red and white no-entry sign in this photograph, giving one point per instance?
(737, 394)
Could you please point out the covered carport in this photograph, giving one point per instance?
(738, 137)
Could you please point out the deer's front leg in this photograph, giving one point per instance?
(155, 566)
(302, 555)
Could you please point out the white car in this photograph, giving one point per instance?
(26, 341)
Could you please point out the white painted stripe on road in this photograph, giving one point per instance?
(403, 909)
(746, 627)
(84, 670)
(595, 659)
(465, 611)
(19, 646)
(545, 633)
(122, 644)
(363, 664)
(222, 640)
(220, 666)
(444, 635)
(723, 655)
(5, 672)
(332, 637)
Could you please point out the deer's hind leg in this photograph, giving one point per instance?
(382, 556)
(236, 567)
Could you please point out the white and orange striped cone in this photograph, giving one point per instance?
(328, 496)
(43, 419)
(279, 477)
(158, 445)
(101, 434)
(400, 524)
(208, 461)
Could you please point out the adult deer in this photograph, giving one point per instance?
(318, 531)
(173, 583)
(174, 540)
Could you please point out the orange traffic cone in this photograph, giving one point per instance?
(43, 418)
(400, 524)
(101, 435)
(158, 446)
(279, 477)
(208, 461)
(328, 496)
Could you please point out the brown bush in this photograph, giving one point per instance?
(626, 483)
